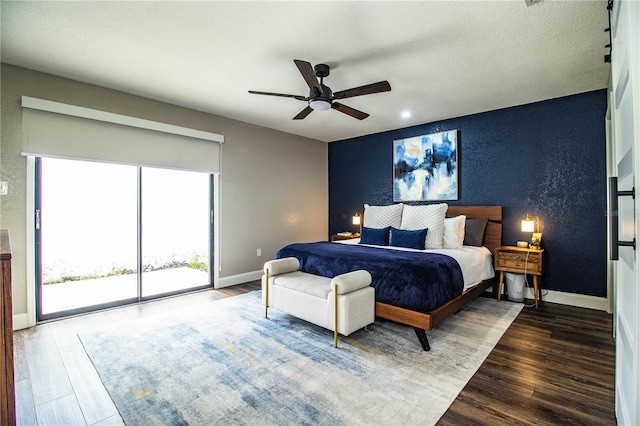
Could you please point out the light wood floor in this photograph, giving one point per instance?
(56, 383)
(553, 366)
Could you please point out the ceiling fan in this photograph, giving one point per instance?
(321, 97)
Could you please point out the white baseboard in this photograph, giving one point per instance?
(20, 321)
(239, 279)
(573, 299)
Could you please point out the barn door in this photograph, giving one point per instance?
(625, 108)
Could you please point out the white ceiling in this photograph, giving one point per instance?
(443, 59)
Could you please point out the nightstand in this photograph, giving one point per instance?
(520, 261)
(337, 237)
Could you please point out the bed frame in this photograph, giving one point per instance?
(422, 322)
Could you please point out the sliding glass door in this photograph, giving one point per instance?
(87, 228)
(175, 231)
(110, 234)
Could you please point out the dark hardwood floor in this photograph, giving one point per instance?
(554, 366)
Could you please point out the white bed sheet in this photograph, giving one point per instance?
(475, 262)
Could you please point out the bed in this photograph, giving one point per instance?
(408, 299)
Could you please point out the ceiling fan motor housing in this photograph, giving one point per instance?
(322, 70)
(320, 101)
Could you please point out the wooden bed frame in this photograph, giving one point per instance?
(422, 322)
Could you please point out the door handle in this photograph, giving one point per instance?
(615, 243)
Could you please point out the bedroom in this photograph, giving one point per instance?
(310, 174)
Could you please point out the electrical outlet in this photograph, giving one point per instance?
(259, 252)
(4, 187)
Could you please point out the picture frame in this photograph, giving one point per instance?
(536, 239)
(425, 167)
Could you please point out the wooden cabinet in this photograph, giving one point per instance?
(520, 261)
(7, 390)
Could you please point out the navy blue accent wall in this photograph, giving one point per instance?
(546, 159)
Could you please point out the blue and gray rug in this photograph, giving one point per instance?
(223, 363)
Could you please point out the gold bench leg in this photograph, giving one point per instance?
(266, 290)
(335, 316)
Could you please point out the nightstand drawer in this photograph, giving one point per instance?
(517, 261)
(508, 263)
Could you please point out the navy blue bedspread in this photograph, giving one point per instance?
(417, 281)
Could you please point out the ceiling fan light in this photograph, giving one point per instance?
(319, 104)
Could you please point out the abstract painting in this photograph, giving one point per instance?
(425, 168)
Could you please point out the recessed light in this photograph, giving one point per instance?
(405, 114)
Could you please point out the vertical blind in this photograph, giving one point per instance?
(59, 130)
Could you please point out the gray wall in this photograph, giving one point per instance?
(273, 185)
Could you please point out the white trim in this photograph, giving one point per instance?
(216, 230)
(573, 299)
(125, 120)
(20, 321)
(239, 279)
(30, 246)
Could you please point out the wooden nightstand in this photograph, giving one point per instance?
(520, 261)
(337, 237)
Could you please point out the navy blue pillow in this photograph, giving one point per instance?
(408, 239)
(375, 236)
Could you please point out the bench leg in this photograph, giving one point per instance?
(266, 290)
(422, 336)
(335, 317)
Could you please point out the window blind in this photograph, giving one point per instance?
(59, 130)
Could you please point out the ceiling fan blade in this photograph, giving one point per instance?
(308, 73)
(284, 95)
(381, 86)
(349, 111)
(303, 113)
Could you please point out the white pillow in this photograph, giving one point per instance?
(382, 216)
(430, 216)
(453, 236)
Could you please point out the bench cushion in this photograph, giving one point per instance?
(313, 285)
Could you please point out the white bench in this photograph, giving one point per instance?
(313, 298)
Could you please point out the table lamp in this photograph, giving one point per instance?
(529, 224)
(357, 220)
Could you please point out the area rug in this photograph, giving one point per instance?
(224, 363)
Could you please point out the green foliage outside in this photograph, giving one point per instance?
(64, 275)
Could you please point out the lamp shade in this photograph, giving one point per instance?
(528, 224)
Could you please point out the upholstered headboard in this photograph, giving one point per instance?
(493, 232)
